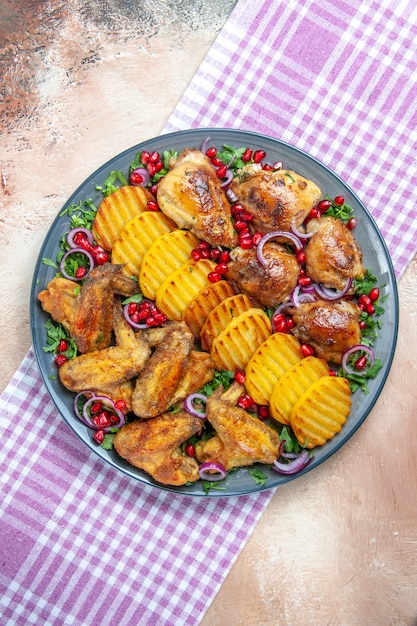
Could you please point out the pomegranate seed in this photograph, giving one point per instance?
(114, 419)
(257, 238)
(154, 188)
(305, 281)
(225, 257)
(63, 345)
(99, 436)
(205, 254)
(221, 171)
(263, 412)
(240, 225)
(80, 272)
(136, 178)
(247, 155)
(246, 217)
(240, 377)
(196, 254)
(258, 155)
(160, 317)
(290, 323)
(152, 205)
(151, 321)
(362, 325)
(374, 294)
(332, 373)
(203, 245)
(361, 362)
(140, 316)
(215, 254)
(323, 206)
(120, 405)
(267, 167)
(145, 157)
(313, 214)
(245, 401)
(101, 257)
(145, 305)
(246, 242)
(237, 209)
(82, 242)
(301, 257)
(279, 324)
(352, 223)
(216, 162)
(154, 157)
(95, 407)
(339, 200)
(364, 300)
(132, 308)
(189, 449)
(103, 419)
(370, 309)
(306, 350)
(151, 169)
(221, 268)
(211, 152)
(60, 360)
(214, 277)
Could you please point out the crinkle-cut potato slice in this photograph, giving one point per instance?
(321, 411)
(165, 255)
(180, 287)
(204, 302)
(291, 386)
(234, 346)
(116, 210)
(221, 315)
(277, 354)
(136, 237)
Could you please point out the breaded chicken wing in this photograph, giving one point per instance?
(154, 446)
(192, 196)
(241, 438)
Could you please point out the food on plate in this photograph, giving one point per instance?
(277, 354)
(206, 300)
(234, 346)
(269, 284)
(227, 326)
(321, 411)
(154, 445)
(330, 328)
(166, 254)
(333, 256)
(136, 238)
(116, 210)
(241, 438)
(292, 384)
(277, 200)
(222, 315)
(191, 194)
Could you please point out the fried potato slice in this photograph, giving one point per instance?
(116, 210)
(234, 346)
(204, 302)
(180, 287)
(291, 386)
(277, 354)
(166, 254)
(321, 411)
(136, 237)
(221, 315)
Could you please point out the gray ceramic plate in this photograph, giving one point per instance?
(376, 258)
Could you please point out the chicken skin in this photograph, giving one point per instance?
(329, 327)
(269, 285)
(191, 195)
(240, 439)
(276, 199)
(154, 446)
(87, 312)
(173, 371)
(332, 255)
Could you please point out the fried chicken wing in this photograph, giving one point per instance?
(332, 255)
(329, 327)
(192, 196)
(154, 446)
(275, 198)
(173, 371)
(60, 299)
(269, 285)
(240, 439)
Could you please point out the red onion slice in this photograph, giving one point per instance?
(231, 196)
(75, 231)
(189, 404)
(108, 403)
(227, 179)
(75, 251)
(299, 296)
(299, 233)
(205, 471)
(330, 294)
(352, 350)
(143, 172)
(87, 395)
(276, 233)
(204, 145)
(295, 465)
(137, 325)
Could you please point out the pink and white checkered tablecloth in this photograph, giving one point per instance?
(81, 544)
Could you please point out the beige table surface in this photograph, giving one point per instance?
(84, 81)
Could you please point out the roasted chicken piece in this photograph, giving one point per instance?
(109, 371)
(154, 446)
(173, 371)
(87, 312)
(270, 284)
(192, 196)
(276, 199)
(240, 439)
(332, 255)
(329, 327)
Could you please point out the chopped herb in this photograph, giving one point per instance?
(291, 444)
(258, 476)
(107, 442)
(360, 381)
(49, 262)
(208, 484)
(364, 285)
(55, 333)
(340, 211)
(109, 186)
(82, 214)
(137, 297)
(222, 378)
(228, 153)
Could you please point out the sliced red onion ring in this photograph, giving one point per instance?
(189, 404)
(75, 231)
(278, 165)
(352, 350)
(299, 296)
(231, 196)
(137, 325)
(227, 179)
(281, 308)
(276, 233)
(204, 145)
(87, 395)
(143, 172)
(108, 402)
(330, 294)
(205, 471)
(299, 233)
(296, 465)
(75, 251)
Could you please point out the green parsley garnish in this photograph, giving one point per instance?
(258, 476)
